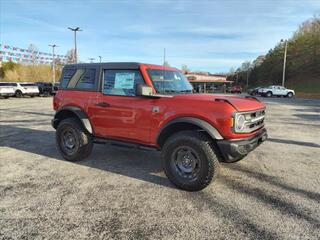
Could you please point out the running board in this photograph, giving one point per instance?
(124, 144)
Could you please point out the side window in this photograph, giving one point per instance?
(121, 82)
(87, 80)
(75, 78)
(78, 79)
(67, 75)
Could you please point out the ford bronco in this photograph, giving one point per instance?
(153, 107)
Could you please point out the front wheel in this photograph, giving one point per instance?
(290, 95)
(19, 94)
(73, 142)
(189, 160)
(269, 94)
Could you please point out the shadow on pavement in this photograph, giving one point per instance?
(142, 165)
(28, 112)
(308, 117)
(231, 214)
(287, 141)
(273, 181)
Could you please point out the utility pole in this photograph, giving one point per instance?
(91, 60)
(100, 58)
(75, 30)
(53, 64)
(164, 56)
(248, 78)
(284, 60)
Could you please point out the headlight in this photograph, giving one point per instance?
(239, 122)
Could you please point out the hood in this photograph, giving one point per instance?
(241, 104)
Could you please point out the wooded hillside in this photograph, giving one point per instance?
(302, 67)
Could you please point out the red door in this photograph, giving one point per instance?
(117, 113)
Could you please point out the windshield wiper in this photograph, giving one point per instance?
(186, 91)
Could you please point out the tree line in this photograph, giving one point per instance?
(302, 62)
(18, 72)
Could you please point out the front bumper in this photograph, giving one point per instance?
(233, 150)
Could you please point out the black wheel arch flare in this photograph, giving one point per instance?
(75, 111)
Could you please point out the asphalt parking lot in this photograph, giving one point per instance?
(122, 194)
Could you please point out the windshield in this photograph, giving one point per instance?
(169, 82)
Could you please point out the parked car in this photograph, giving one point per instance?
(25, 89)
(276, 91)
(45, 88)
(152, 107)
(254, 91)
(55, 88)
(6, 89)
(235, 89)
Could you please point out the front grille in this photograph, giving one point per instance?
(254, 120)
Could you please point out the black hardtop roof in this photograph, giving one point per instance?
(108, 65)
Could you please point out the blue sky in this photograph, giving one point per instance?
(205, 35)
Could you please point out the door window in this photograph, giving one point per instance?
(121, 82)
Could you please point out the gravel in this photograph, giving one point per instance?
(118, 193)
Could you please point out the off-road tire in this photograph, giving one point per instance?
(19, 94)
(290, 95)
(208, 161)
(83, 140)
(269, 94)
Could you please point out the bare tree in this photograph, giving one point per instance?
(33, 50)
(184, 68)
(70, 56)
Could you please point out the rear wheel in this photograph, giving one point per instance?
(189, 160)
(73, 142)
(19, 94)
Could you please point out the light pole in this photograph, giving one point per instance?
(100, 58)
(91, 60)
(284, 60)
(247, 78)
(75, 30)
(53, 63)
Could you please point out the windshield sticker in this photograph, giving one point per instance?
(124, 80)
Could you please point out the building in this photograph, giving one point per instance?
(204, 82)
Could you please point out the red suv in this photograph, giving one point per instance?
(235, 89)
(153, 107)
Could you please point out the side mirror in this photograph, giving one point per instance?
(144, 90)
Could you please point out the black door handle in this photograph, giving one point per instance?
(103, 104)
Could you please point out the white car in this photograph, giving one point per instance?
(276, 91)
(28, 89)
(6, 89)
